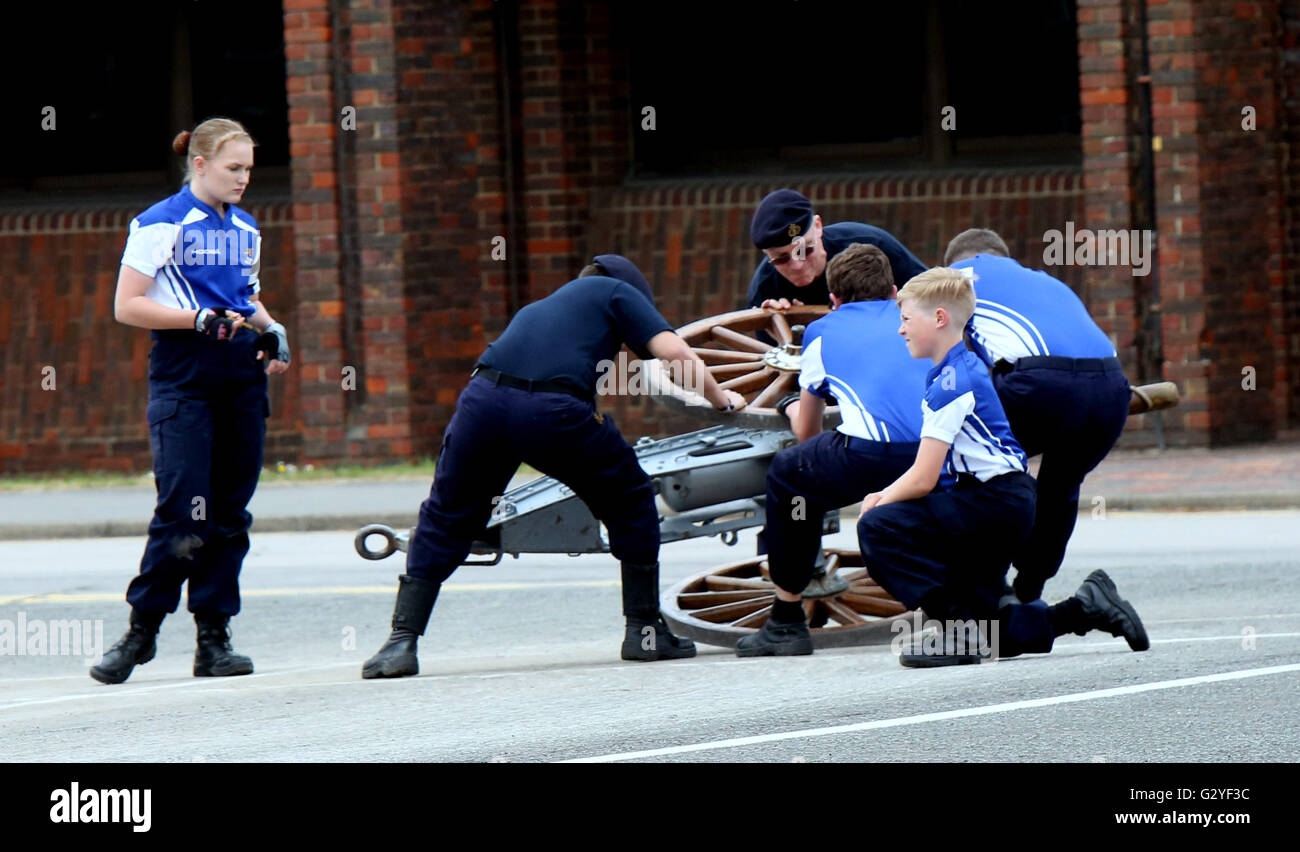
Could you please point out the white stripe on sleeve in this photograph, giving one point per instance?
(945, 423)
(148, 248)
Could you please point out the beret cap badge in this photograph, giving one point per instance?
(781, 216)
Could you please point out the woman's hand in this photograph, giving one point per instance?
(218, 325)
(273, 346)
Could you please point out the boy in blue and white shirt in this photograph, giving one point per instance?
(852, 357)
(940, 537)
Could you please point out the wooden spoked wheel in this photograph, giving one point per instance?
(844, 606)
(740, 360)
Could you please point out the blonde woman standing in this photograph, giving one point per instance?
(190, 275)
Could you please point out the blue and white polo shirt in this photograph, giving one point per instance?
(855, 355)
(1021, 312)
(196, 258)
(961, 408)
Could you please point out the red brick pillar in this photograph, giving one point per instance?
(312, 140)
(1218, 204)
(1219, 187)
(352, 358)
(1289, 297)
(575, 132)
(1109, 59)
(454, 195)
(379, 420)
(509, 121)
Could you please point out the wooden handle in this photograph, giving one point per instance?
(1153, 397)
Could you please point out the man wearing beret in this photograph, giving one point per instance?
(797, 247)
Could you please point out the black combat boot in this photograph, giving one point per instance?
(1103, 609)
(136, 648)
(214, 657)
(784, 634)
(415, 598)
(647, 637)
(958, 645)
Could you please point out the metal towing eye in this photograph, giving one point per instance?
(393, 541)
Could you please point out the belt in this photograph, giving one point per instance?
(888, 448)
(970, 480)
(497, 377)
(1057, 362)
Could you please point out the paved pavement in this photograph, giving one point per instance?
(1257, 477)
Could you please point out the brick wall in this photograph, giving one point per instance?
(1241, 198)
(343, 134)
(570, 203)
(461, 116)
(480, 122)
(692, 240)
(1219, 190)
(452, 200)
(60, 275)
(563, 113)
(1288, 77)
(1219, 202)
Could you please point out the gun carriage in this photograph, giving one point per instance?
(712, 482)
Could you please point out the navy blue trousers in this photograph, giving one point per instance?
(1072, 418)
(207, 426)
(827, 475)
(494, 429)
(948, 554)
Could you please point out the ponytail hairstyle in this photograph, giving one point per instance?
(206, 140)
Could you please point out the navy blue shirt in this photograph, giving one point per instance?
(565, 336)
(1021, 312)
(855, 354)
(962, 409)
(769, 283)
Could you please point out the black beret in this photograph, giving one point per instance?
(625, 270)
(780, 218)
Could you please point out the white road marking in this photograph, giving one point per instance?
(946, 715)
(1221, 618)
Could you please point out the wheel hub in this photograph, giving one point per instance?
(785, 358)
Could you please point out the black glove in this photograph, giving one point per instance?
(275, 343)
(214, 323)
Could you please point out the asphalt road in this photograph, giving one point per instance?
(521, 664)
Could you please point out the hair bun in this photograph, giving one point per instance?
(181, 144)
